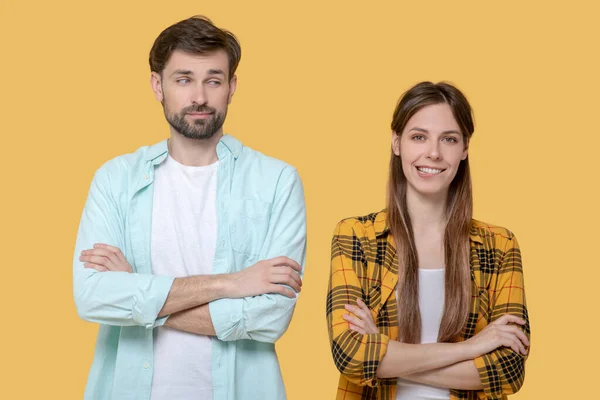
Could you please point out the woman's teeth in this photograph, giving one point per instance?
(429, 170)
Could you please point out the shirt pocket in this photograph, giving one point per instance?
(249, 223)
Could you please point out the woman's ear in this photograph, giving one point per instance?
(396, 143)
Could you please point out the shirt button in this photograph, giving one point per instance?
(146, 365)
(146, 176)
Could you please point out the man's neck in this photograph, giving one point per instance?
(194, 152)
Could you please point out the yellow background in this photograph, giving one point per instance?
(318, 82)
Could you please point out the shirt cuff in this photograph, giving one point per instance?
(227, 319)
(150, 296)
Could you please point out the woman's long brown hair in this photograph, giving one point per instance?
(459, 211)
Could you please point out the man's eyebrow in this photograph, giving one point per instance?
(216, 72)
(182, 72)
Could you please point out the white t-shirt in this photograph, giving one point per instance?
(184, 237)
(431, 305)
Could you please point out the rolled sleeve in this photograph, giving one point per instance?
(356, 356)
(266, 317)
(502, 372)
(227, 319)
(112, 298)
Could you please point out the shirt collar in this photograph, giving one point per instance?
(381, 226)
(229, 145)
(226, 146)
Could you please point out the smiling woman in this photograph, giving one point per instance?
(424, 301)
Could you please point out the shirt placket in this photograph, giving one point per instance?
(222, 263)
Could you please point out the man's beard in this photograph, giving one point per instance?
(201, 128)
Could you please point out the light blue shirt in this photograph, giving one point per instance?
(261, 214)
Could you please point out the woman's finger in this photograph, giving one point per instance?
(361, 303)
(357, 329)
(508, 319)
(515, 330)
(356, 311)
(370, 325)
(366, 310)
(513, 342)
(354, 320)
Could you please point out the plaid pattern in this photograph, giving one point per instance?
(364, 264)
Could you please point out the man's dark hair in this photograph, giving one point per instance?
(195, 35)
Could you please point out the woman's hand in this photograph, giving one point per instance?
(360, 320)
(104, 257)
(501, 332)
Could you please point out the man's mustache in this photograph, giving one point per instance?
(198, 109)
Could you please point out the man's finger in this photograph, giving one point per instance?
(97, 267)
(102, 253)
(96, 260)
(107, 247)
(282, 260)
(117, 251)
(275, 288)
(286, 280)
(287, 272)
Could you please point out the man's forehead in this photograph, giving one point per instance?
(199, 64)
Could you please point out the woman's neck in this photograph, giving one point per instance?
(427, 213)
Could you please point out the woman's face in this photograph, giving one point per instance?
(431, 148)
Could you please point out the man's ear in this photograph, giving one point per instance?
(156, 83)
(232, 87)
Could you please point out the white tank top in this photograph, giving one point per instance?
(431, 305)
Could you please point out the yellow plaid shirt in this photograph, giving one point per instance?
(364, 264)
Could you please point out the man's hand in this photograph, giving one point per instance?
(267, 276)
(104, 257)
